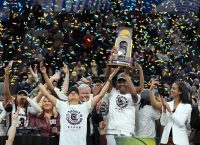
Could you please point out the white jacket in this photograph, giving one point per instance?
(177, 122)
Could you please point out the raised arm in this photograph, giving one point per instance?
(12, 129)
(141, 75)
(46, 78)
(7, 93)
(108, 68)
(38, 97)
(65, 85)
(49, 81)
(34, 107)
(157, 105)
(51, 98)
(131, 87)
(107, 71)
(105, 88)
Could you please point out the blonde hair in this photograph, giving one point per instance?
(55, 113)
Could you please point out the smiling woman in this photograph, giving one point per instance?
(175, 114)
(48, 121)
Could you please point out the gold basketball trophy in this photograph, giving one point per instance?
(123, 49)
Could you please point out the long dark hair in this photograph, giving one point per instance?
(185, 94)
(25, 106)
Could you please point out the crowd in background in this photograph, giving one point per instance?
(163, 43)
(166, 45)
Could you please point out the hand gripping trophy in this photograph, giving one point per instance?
(123, 48)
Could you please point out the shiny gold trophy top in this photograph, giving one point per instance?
(123, 49)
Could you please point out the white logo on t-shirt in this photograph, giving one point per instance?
(122, 102)
(22, 120)
(104, 108)
(74, 117)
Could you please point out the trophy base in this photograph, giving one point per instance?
(116, 65)
(124, 65)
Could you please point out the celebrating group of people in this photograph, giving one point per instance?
(96, 111)
(88, 102)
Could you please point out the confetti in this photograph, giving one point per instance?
(157, 24)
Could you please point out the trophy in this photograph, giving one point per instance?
(123, 48)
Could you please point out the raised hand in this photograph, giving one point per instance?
(7, 69)
(83, 79)
(42, 68)
(34, 74)
(127, 70)
(138, 66)
(113, 51)
(154, 84)
(56, 76)
(10, 63)
(65, 69)
(114, 73)
(165, 104)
